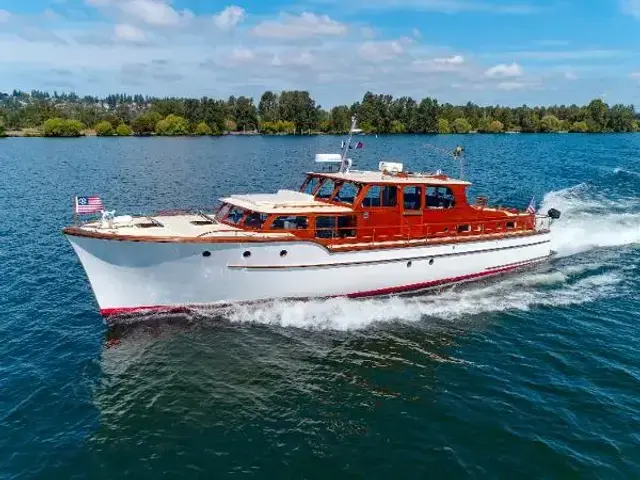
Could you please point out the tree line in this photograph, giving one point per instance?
(294, 112)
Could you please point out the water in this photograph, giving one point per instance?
(537, 375)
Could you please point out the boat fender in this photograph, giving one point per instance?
(553, 213)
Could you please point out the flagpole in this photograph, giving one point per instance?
(75, 211)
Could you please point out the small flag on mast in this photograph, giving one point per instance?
(88, 205)
(532, 206)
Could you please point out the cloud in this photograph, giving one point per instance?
(241, 54)
(128, 33)
(158, 13)
(445, 6)
(230, 17)
(454, 60)
(570, 76)
(382, 51)
(504, 70)
(305, 25)
(508, 86)
(631, 7)
(40, 35)
(635, 76)
(561, 55)
(451, 64)
(4, 16)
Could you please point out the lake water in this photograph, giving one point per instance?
(533, 376)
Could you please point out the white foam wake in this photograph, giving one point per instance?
(591, 219)
(556, 287)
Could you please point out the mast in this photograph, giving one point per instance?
(344, 164)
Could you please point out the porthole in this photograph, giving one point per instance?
(206, 253)
(431, 261)
(246, 254)
(283, 253)
(446, 230)
(409, 264)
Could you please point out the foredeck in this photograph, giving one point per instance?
(176, 226)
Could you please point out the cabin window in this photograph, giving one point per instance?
(223, 211)
(372, 197)
(235, 215)
(381, 196)
(326, 189)
(511, 225)
(336, 227)
(310, 184)
(347, 193)
(412, 198)
(464, 228)
(325, 227)
(347, 226)
(389, 196)
(255, 220)
(440, 197)
(290, 222)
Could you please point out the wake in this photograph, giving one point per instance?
(592, 219)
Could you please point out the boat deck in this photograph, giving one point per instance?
(181, 226)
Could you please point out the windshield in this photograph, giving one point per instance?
(326, 189)
(347, 193)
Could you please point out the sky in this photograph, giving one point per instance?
(507, 52)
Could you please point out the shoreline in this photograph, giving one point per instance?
(33, 133)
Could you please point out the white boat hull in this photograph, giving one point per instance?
(129, 276)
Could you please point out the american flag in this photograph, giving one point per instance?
(88, 205)
(532, 206)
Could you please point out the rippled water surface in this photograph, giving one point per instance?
(533, 376)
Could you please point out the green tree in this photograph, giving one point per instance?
(298, 107)
(124, 130)
(245, 114)
(484, 125)
(427, 117)
(172, 125)
(443, 126)
(397, 127)
(579, 127)
(622, 118)
(461, 125)
(268, 107)
(340, 119)
(59, 127)
(145, 123)
(550, 124)
(202, 129)
(2, 131)
(598, 115)
(104, 129)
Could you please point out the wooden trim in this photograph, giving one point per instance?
(330, 246)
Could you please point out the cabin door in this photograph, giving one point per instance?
(412, 208)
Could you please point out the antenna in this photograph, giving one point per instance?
(345, 164)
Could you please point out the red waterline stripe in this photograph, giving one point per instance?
(109, 312)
